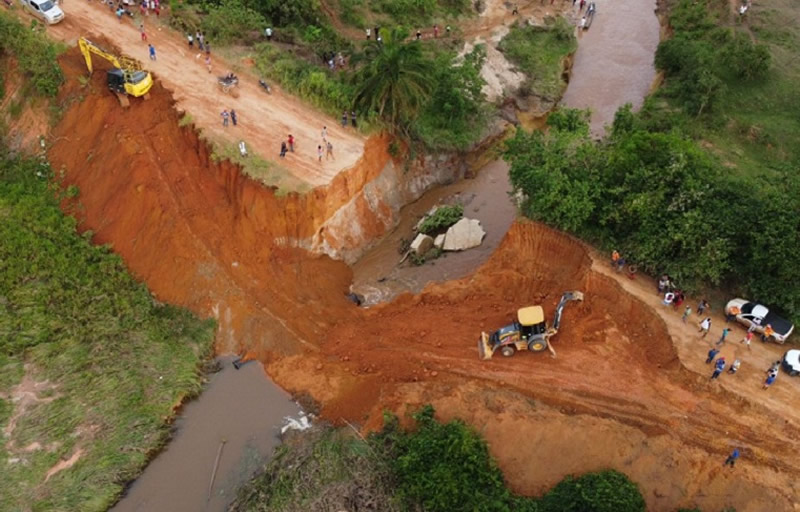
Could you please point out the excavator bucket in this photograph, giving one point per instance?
(484, 350)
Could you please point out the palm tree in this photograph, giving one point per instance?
(396, 81)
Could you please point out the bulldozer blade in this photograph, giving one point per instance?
(484, 349)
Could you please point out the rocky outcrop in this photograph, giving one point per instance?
(438, 242)
(464, 234)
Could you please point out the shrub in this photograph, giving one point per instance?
(444, 217)
(604, 491)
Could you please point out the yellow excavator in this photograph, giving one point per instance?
(529, 332)
(126, 79)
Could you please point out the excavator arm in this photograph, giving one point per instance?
(88, 48)
(568, 296)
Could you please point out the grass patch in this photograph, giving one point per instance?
(539, 52)
(259, 169)
(185, 120)
(112, 362)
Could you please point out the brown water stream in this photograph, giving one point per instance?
(241, 407)
(614, 61)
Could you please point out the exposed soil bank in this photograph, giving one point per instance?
(614, 62)
(240, 407)
(204, 237)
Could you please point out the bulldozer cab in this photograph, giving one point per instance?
(531, 321)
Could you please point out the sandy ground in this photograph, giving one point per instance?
(264, 120)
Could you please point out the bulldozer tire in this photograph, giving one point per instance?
(508, 351)
(537, 345)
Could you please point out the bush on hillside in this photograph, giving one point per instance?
(36, 55)
(604, 491)
(231, 21)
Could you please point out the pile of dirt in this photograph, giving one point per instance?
(203, 236)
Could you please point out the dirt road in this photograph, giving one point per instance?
(264, 120)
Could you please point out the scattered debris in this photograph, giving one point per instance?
(300, 424)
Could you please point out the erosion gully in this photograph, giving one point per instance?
(612, 66)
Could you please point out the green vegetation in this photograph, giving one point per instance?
(106, 363)
(35, 54)
(231, 21)
(732, 84)
(436, 467)
(539, 52)
(665, 203)
(415, 13)
(327, 91)
(444, 217)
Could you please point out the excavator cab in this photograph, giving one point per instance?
(528, 332)
(129, 82)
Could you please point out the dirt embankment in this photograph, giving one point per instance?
(203, 236)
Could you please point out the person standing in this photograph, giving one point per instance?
(731, 315)
(234, 119)
(319, 153)
(724, 335)
(686, 313)
(329, 149)
(368, 33)
(705, 326)
(208, 48)
(515, 10)
(718, 367)
(770, 380)
(283, 149)
(152, 51)
(711, 355)
(144, 34)
(702, 306)
(768, 332)
(291, 143)
(324, 132)
(447, 29)
(419, 35)
(353, 118)
(268, 33)
(436, 31)
(747, 338)
(202, 38)
(225, 115)
(344, 119)
(208, 63)
(731, 460)
(734, 366)
(663, 283)
(668, 298)
(199, 41)
(190, 38)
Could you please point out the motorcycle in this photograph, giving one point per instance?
(264, 85)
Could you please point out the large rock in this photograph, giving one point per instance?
(421, 244)
(464, 234)
(438, 242)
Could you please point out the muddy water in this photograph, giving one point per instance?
(241, 407)
(379, 278)
(614, 61)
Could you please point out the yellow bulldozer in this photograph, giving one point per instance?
(127, 78)
(528, 332)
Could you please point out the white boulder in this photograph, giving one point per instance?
(421, 244)
(438, 242)
(464, 234)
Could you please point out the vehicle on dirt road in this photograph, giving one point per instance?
(227, 84)
(45, 10)
(748, 313)
(127, 78)
(791, 362)
(528, 332)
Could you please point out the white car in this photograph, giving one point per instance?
(791, 362)
(45, 10)
(750, 312)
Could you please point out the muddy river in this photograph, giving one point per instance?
(244, 409)
(614, 62)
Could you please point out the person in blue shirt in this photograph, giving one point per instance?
(719, 366)
(731, 460)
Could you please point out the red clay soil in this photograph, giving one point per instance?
(203, 236)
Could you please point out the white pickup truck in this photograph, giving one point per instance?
(45, 10)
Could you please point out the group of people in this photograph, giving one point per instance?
(229, 116)
(325, 148)
(200, 39)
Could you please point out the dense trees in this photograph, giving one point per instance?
(664, 202)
